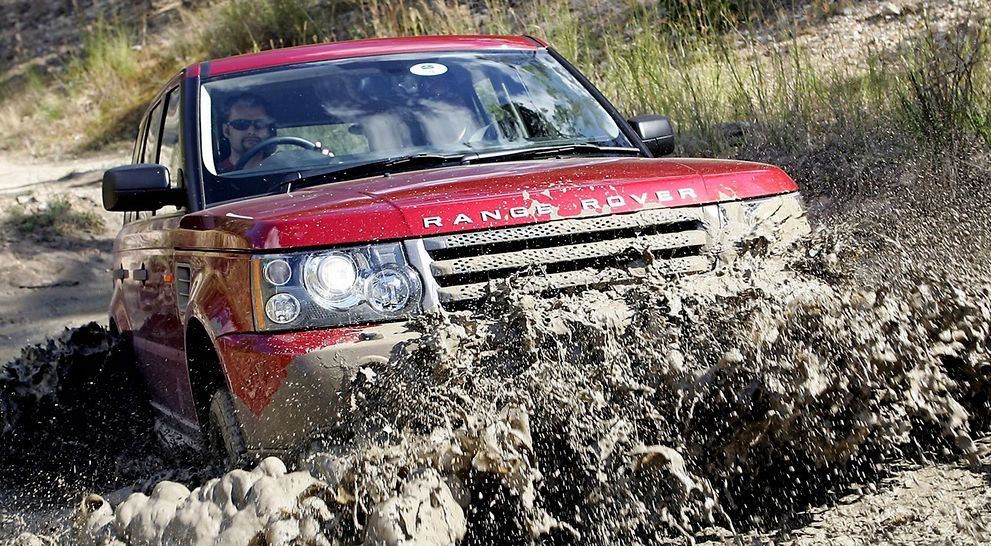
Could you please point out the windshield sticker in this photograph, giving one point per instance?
(428, 69)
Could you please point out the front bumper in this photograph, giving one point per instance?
(287, 386)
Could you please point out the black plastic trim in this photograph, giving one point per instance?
(183, 284)
(191, 134)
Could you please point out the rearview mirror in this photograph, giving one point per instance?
(655, 132)
(144, 186)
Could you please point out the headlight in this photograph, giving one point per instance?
(332, 280)
(282, 308)
(390, 290)
(278, 272)
(337, 287)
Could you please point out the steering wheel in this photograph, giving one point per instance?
(273, 141)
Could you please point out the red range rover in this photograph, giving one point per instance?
(286, 211)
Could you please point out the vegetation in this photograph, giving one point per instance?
(55, 217)
(698, 61)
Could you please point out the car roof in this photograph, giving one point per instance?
(358, 48)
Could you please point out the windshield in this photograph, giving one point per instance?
(260, 129)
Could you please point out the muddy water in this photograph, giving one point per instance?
(629, 416)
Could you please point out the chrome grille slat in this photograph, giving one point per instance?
(570, 253)
(571, 279)
(568, 226)
(543, 256)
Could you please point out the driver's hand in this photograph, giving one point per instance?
(324, 151)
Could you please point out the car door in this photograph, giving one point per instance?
(158, 337)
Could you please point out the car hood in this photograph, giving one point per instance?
(473, 197)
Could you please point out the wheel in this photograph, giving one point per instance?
(226, 440)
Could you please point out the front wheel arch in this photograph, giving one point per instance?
(206, 373)
(222, 437)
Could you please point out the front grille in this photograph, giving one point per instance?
(567, 253)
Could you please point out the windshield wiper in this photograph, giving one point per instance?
(326, 175)
(551, 151)
(379, 166)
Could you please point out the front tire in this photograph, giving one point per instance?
(226, 440)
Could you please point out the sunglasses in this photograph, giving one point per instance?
(259, 124)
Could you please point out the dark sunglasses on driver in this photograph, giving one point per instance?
(259, 124)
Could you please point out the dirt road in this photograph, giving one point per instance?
(50, 281)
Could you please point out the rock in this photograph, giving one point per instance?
(890, 9)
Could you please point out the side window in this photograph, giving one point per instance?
(136, 157)
(138, 140)
(151, 140)
(171, 154)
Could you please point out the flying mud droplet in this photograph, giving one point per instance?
(619, 416)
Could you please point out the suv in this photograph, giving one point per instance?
(287, 211)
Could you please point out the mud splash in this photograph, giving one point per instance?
(631, 416)
(72, 418)
(61, 401)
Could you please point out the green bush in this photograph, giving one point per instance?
(56, 217)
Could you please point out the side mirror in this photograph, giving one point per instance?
(655, 132)
(144, 186)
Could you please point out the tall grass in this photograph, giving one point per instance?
(114, 101)
(941, 83)
(106, 49)
(97, 99)
(241, 26)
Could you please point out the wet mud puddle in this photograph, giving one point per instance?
(673, 410)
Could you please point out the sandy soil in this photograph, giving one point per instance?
(48, 283)
(938, 504)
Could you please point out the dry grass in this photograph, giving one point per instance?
(96, 100)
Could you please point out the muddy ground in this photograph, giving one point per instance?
(847, 379)
(50, 282)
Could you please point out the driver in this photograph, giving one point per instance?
(246, 123)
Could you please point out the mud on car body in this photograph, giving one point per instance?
(383, 179)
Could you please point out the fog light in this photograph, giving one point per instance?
(282, 308)
(389, 290)
(278, 272)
